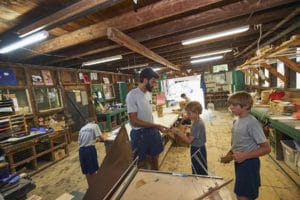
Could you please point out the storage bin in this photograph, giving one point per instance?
(290, 153)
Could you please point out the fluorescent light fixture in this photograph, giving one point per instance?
(31, 32)
(25, 42)
(206, 59)
(102, 60)
(211, 53)
(216, 35)
(134, 66)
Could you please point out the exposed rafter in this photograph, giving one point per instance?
(124, 40)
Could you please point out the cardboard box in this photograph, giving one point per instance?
(59, 154)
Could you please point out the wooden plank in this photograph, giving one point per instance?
(250, 75)
(285, 46)
(76, 10)
(153, 185)
(274, 71)
(272, 30)
(146, 15)
(160, 30)
(292, 65)
(124, 40)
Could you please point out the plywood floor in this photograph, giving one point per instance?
(65, 176)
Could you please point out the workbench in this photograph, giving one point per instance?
(284, 127)
(112, 119)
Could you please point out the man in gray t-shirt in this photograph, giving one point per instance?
(145, 137)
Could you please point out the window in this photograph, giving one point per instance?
(20, 100)
(220, 68)
(280, 69)
(247, 79)
(267, 75)
(256, 76)
(47, 99)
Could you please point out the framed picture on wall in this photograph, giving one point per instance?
(108, 91)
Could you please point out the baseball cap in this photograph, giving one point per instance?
(148, 73)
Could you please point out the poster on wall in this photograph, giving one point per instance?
(47, 77)
(37, 80)
(7, 77)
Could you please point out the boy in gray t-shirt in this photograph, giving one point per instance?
(248, 144)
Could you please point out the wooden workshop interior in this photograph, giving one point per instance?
(63, 61)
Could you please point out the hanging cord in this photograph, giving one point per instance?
(260, 71)
(258, 26)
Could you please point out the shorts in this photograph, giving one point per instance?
(88, 159)
(247, 176)
(199, 160)
(146, 141)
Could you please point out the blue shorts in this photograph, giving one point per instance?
(146, 141)
(247, 177)
(88, 159)
(199, 160)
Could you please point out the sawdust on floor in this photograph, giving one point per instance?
(65, 176)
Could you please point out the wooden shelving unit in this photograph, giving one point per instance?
(13, 126)
(219, 99)
(29, 150)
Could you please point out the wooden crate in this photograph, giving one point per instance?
(59, 154)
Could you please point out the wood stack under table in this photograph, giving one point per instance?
(31, 150)
(13, 126)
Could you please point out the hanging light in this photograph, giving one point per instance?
(216, 35)
(134, 66)
(25, 42)
(211, 53)
(102, 60)
(206, 59)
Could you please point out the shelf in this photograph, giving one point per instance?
(219, 99)
(24, 152)
(112, 119)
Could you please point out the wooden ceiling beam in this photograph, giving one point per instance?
(124, 40)
(126, 21)
(274, 71)
(292, 65)
(104, 46)
(186, 24)
(72, 12)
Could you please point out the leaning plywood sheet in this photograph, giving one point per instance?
(151, 185)
(116, 161)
